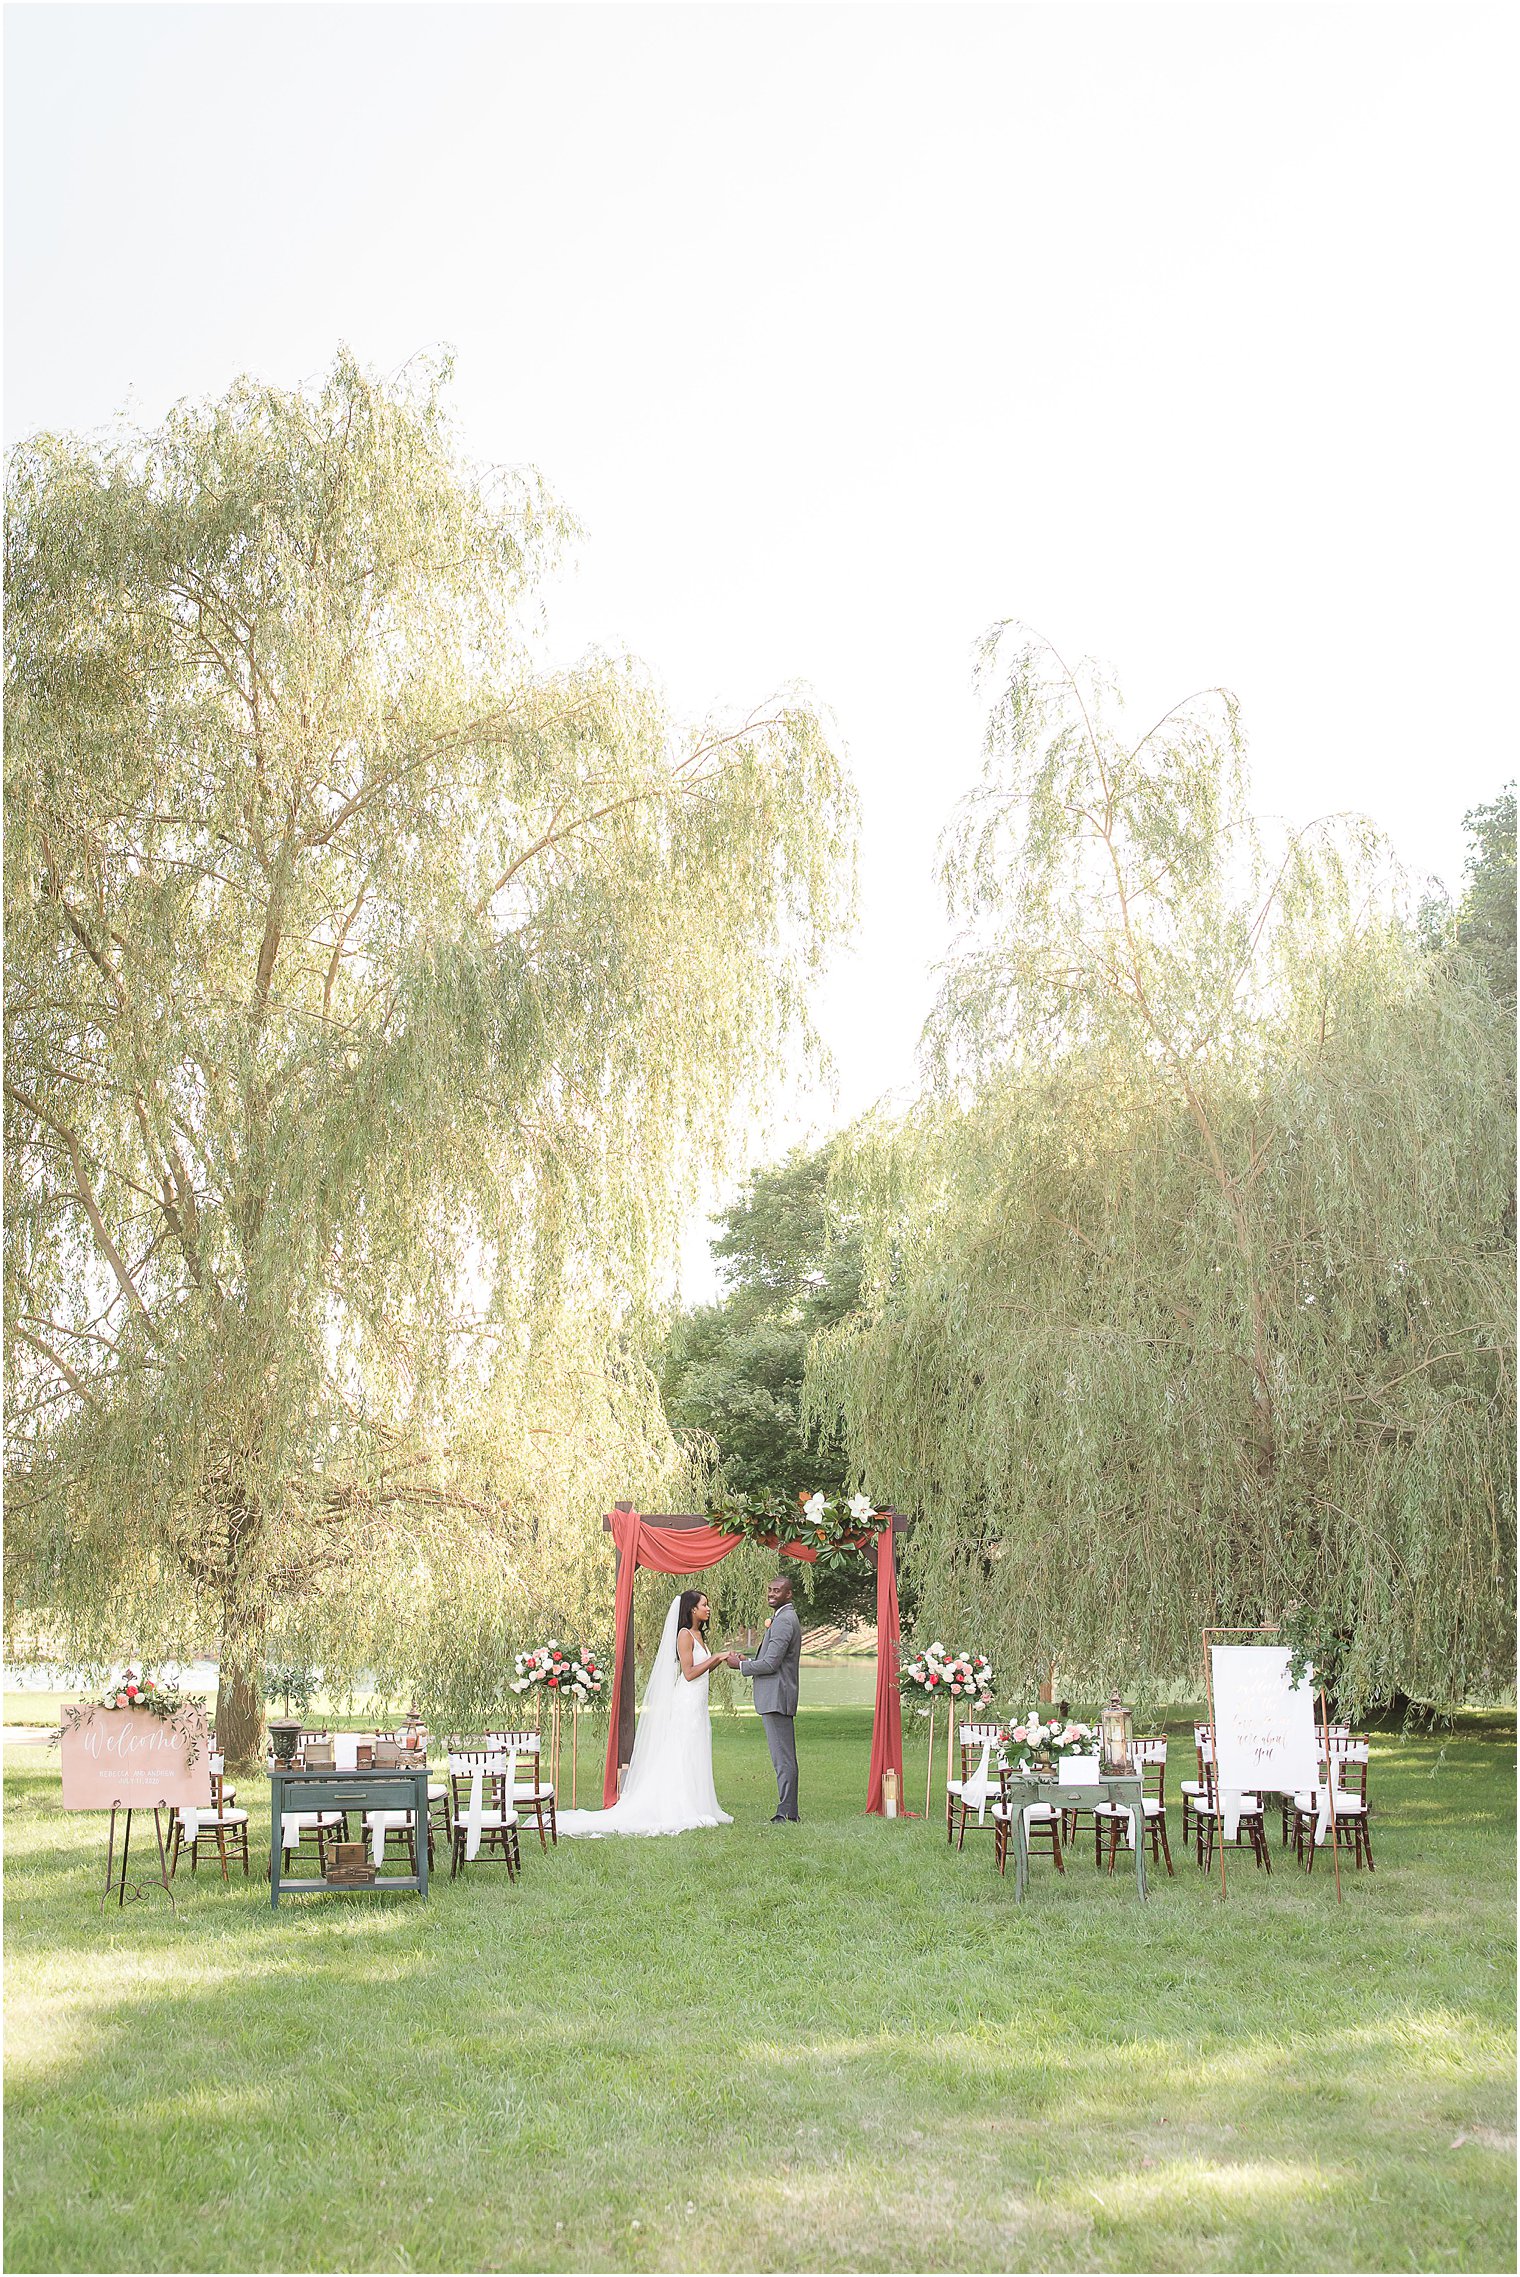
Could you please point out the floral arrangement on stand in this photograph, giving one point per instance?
(565, 1675)
(835, 1526)
(136, 1687)
(1041, 1745)
(935, 1674)
(563, 1672)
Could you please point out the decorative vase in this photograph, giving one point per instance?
(283, 1735)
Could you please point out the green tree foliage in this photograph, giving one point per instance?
(1485, 921)
(1188, 1296)
(732, 1373)
(376, 996)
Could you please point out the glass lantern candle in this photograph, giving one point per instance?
(1116, 1736)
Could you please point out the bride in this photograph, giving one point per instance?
(668, 1786)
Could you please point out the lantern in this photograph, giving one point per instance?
(889, 1794)
(1116, 1734)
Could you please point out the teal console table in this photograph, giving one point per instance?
(356, 1791)
(1019, 1788)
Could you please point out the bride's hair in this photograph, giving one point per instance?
(690, 1600)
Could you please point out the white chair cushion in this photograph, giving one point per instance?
(1346, 1806)
(435, 1794)
(1040, 1810)
(209, 1820)
(487, 1818)
(534, 1794)
(309, 1819)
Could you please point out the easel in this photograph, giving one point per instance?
(126, 1843)
(1268, 1629)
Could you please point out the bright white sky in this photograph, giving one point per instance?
(1181, 332)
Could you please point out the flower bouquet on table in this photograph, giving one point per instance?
(1038, 1747)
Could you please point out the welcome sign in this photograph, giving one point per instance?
(125, 1759)
(1264, 1732)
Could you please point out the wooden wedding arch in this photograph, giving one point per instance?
(689, 1545)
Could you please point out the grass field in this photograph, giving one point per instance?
(835, 2046)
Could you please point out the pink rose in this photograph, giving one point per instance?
(122, 1701)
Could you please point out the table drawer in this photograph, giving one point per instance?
(340, 1794)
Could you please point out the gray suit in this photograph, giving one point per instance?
(774, 1673)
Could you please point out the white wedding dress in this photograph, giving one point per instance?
(668, 1787)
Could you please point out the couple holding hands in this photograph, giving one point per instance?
(668, 1787)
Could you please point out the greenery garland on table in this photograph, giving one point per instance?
(838, 1527)
(157, 1695)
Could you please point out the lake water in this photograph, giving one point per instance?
(842, 1683)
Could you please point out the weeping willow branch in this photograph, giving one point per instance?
(1190, 1282)
(376, 1003)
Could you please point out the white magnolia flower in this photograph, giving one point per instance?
(814, 1508)
(860, 1507)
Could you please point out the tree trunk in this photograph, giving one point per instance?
(240, 1692)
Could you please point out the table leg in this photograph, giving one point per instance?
(420, 1816)
(1141, 1838)
(1021, 1853)
(276, 1828)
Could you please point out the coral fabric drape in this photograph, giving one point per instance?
(681, 1549)
(886, 1731)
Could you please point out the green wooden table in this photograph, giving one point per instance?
(1020, 1788)
(347, 1791)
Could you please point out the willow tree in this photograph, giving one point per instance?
(375, 994)
(1192, 1288)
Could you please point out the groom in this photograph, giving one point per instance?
(773, 1672)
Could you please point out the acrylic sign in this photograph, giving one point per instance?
(124, 1758)
(1263, 1721)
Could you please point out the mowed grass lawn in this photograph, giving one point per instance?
(835, 2046)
